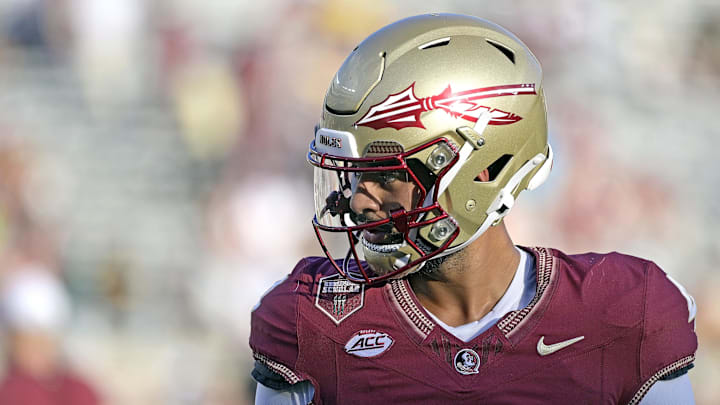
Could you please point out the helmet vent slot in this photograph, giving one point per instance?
(383, 148)
(504, 49)
(495, 168)
(435, 44)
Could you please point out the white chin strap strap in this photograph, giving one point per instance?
(464, 152)
(504, 200)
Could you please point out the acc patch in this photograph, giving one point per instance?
(339, 298)
(467, 362)
(368, 343)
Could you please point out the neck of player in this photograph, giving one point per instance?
(469, 283)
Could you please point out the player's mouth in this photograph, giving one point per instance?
(382, 239)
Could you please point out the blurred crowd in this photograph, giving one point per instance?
(153, 181)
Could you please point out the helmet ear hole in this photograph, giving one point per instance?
(492, 171)
(483, 177)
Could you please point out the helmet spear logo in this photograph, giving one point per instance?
(403, 109)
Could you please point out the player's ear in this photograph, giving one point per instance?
(483, 176)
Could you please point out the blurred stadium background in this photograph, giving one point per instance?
(152, 159)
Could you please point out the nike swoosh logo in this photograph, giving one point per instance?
(544, 349)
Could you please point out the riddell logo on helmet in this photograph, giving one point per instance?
(330, 141)
(402, 110)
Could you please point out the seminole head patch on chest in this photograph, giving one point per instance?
(338, 297)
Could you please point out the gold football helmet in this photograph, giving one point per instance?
(430, 129)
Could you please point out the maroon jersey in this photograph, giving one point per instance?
(65, 389)
(601, 329)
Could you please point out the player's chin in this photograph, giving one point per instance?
(384, 258)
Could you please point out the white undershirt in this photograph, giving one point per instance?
(518, 295)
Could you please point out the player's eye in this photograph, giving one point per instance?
(388, 177)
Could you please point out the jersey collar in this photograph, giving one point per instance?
(420, 324)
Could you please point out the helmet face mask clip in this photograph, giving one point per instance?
(417, 111)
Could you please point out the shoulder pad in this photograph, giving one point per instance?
(273, 325)
(611, 284)
(668, 326)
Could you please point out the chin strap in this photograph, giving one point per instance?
(465, 151)
(504, 200)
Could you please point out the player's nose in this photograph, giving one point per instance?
(367, 199)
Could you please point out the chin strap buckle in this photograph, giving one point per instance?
(502, 205)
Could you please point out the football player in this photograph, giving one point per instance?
(430, 130)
